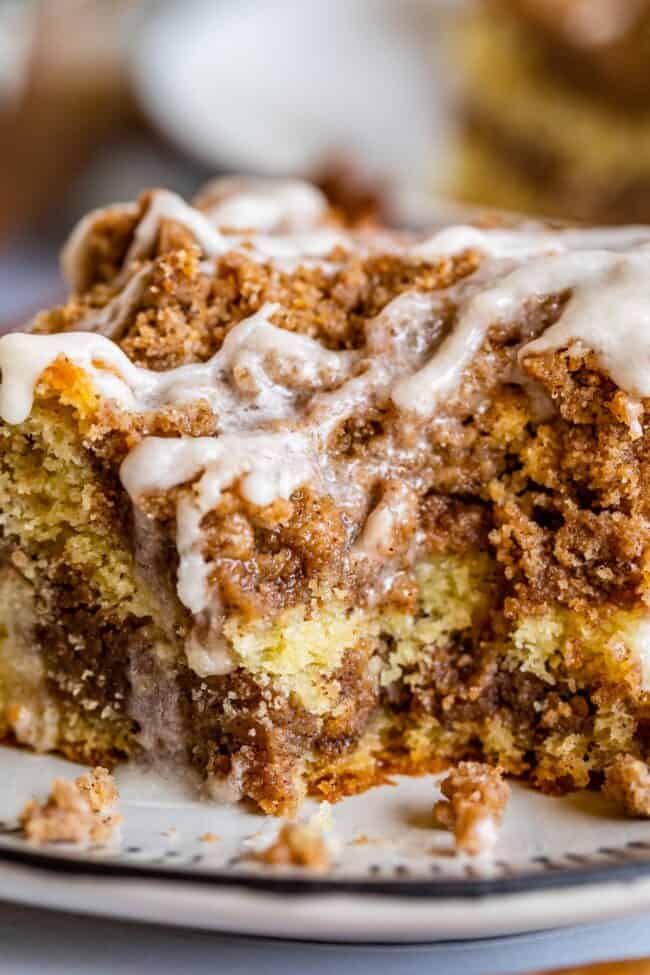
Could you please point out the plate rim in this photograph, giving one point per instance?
(554, 877)
(345, 918)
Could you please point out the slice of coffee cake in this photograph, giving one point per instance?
(294, 506)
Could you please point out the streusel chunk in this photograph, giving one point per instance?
(75, 812)
(475, 800)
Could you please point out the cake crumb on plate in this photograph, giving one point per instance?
(627, 781)
(98, 788)
(297, 845)
(361, 840)
(74, 812)
(475, 800)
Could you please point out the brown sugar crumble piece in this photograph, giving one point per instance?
(361, 840)
(74, 812)
(627, 782)
(98, 788)
(298, 845)
(473, 807)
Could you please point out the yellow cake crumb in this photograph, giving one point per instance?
(300, 648)
(98, 788)
(74, 812)
(361, 840)
(475, 800)
(627, 781)
(298, 845)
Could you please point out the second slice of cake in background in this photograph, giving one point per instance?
(554, 103)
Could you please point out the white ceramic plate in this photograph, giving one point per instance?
(559, 862)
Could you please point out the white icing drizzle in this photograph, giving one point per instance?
(165, 205)
(303, 247)
(397, 340)
(421, 392)
(24, 358)
(208, 652)
(305, 244)
(265, 205)
(395, 509)
(610, 315)
(265, 466)
(520, 244)
(608, 312)
(268, 366)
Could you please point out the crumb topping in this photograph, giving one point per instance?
(98, 789)
(627, 782)
(75, 812)
(298, 845)
(475, 800)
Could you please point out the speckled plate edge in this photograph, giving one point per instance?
(236, 905)
(550, 875)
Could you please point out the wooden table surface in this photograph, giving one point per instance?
(640, 966)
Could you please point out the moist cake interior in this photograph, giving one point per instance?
(293, 505)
